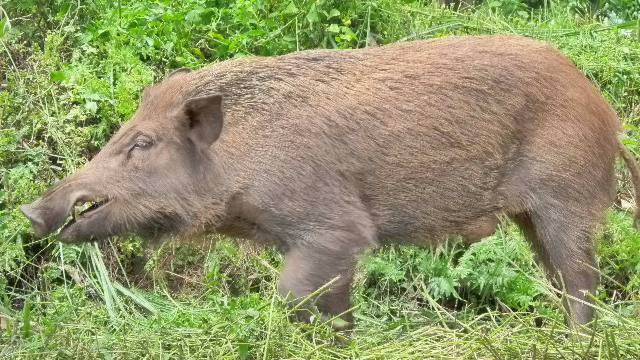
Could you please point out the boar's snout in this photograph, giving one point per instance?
(47, 215)
(52, 211)
(35, 216)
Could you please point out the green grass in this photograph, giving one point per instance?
(235, 309)
(69, 77)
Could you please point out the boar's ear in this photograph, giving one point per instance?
(204, 116)
(183, 70)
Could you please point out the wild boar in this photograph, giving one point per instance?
(325, 153)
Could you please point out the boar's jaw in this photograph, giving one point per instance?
(87, 224)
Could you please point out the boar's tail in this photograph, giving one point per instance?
(630, 160)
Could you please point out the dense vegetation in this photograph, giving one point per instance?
(71, 74)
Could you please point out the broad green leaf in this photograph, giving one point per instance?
(85, 37)
(216, 35)
(197, 52)
(290, 9)
(255, 32)
(243, 350)
(57, 76)
(252, 312)
(195, 16)
(312, 15)
(103, 34)
(91, 106)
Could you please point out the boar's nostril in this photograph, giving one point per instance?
(39, 228)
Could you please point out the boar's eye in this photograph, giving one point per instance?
(142, 142)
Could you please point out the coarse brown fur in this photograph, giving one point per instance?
(326, 153)
(632, 165)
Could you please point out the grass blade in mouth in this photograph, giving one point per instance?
(81, 208)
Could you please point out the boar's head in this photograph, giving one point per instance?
(151, 178)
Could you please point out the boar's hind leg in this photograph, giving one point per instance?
(563, 242)
(312, 265)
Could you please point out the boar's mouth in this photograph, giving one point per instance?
(84, 210)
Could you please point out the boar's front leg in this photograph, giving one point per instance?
(324, 262)
(307, 270)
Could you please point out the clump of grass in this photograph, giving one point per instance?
(256, 325)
